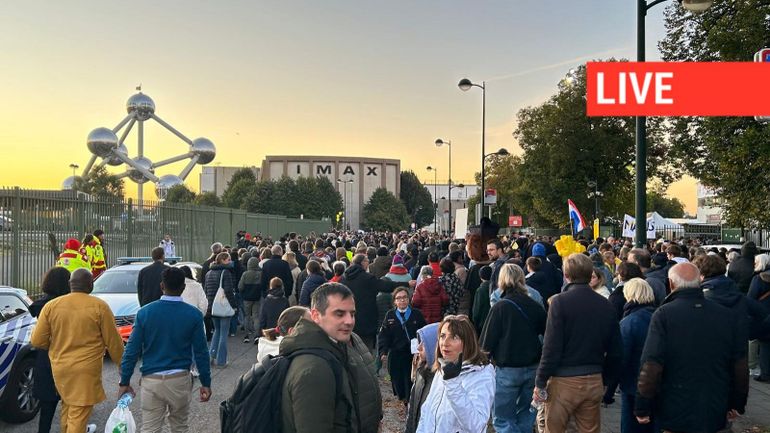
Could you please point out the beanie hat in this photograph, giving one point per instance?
(382, 251)
(398, 260)
(72, 244)
(538, 250)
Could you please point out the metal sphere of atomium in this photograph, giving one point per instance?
(135, 174)
(205, 149)
(101, 141)
(114, 160)
(166, 182)
(141, 106)
(69, 183)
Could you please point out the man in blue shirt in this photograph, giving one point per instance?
(166, 332)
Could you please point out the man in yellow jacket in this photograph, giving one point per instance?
(75, 329)
(72, 258)
(95, 254)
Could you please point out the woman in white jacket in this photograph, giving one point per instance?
(271, 340)
(463, 390)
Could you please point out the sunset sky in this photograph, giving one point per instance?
(347, 78)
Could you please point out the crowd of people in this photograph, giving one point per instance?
(500, 330)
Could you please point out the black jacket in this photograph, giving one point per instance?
(511, 334)
(656, 277)
(212, 285)
(540, 282)
(43, 387)
(312, 282)
(365, 287)
(741, 270)
(276, 267)
(749, 313)
(393, 335)
(582, 337)
(148, 284)
(694, 366)
(270, 310)
(618, 300)
(553, 280)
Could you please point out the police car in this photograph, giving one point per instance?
(117, 286)
(17, 358)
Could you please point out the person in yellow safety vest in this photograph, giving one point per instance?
(95, 254)
(72, 258)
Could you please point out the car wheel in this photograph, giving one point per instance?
(20, 403)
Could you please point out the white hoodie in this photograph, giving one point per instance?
(462, 404)
(267, 347)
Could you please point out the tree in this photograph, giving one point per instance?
(207, 199)
(101, 184)
(384, 212)
(260, 199)
(669, 207)
(240, 186)
(564, 150)
(180, 194)
(416, 199)
(241, 174)
(729, 154)
(329, 200)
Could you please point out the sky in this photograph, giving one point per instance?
(344, 78)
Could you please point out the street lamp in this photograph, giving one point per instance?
(435, 197)
(641, 121)
(595, 195)
(344, 201)
(74, 167)
(439, 143)
(465, 85)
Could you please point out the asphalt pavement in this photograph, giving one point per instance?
(204, 417)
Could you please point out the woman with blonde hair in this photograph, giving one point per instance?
(463, 390)
(637, 314)
(291, 258)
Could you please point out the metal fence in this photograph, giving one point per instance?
(35, 223)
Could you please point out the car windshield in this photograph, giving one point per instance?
(116, 281)
(10, 307)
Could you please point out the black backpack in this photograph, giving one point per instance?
(255, 405)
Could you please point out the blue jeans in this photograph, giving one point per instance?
(513, 396)
(218, 348)
(628, 423)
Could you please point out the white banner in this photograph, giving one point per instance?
(461, 223)
(629, 227)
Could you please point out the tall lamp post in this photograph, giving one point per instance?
(344, 202)
(435, 197)
(641, 122)
(74, 167)
(439, 143)
(596, 194)
(465, 85)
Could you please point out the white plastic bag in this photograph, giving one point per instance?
(220, 307)
(120, 421)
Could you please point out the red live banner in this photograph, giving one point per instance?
(678, 88)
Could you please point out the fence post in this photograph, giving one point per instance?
(231, 225)
(191, 231)
(16, 226)
(130, 229)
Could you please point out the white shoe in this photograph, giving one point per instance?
(91, 428)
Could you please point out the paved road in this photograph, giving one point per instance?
(204, 417)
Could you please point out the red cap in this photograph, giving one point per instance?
(72, 244)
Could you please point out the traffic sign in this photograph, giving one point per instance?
(514, 221)
(762, 55)
(490, 196)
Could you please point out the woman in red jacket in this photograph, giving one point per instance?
(429, 296)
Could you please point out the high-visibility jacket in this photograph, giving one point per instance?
(95, 254)
(73, 259)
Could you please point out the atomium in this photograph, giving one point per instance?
(109, 145)
(69, 183)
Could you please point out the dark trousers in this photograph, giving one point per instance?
(47, 411)
(400, 369)
(628, 423)
(764, 359)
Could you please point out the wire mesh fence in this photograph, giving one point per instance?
(35, 224)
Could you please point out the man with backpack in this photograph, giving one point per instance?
(318, 393)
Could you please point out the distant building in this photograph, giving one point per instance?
(358, 177)
(709, 205)
(214, 179)
(460, 196)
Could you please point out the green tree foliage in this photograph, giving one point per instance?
(669, 207)
(240, 186)
(207, 199)
(311, 197)
(729, 154)
(564, 150)
(101, 184)
(180, 194)
(384, 212)
(416, 199)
